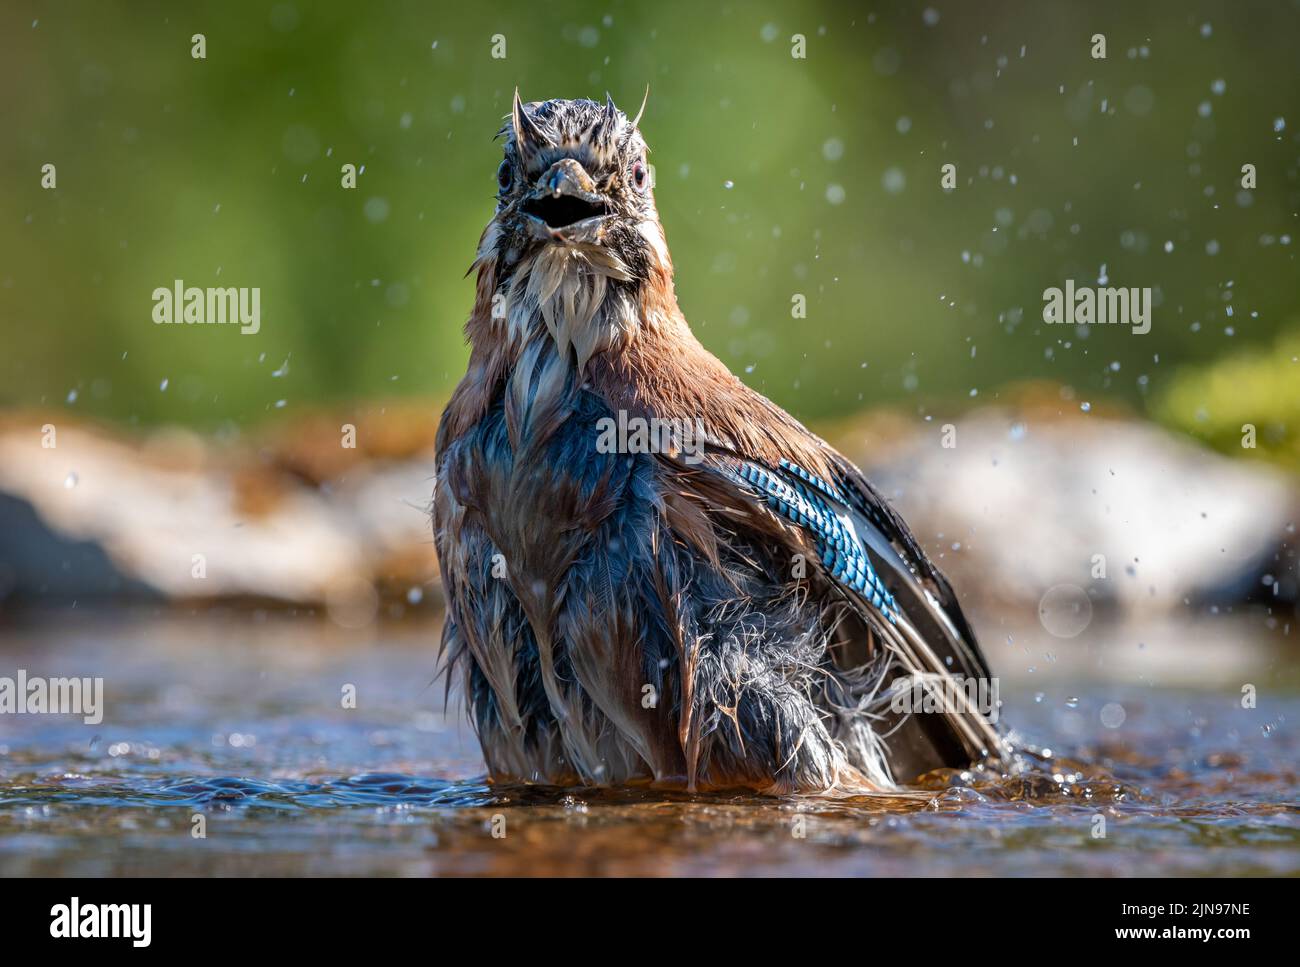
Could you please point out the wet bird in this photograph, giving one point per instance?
(720, 601)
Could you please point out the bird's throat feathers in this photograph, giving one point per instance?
(584, 298)
(616, 330)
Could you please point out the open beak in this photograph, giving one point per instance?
(565, 206)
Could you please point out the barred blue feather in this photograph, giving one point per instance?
(807, 502)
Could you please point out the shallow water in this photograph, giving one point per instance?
(239, 719)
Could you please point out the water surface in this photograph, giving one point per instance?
(239, 719)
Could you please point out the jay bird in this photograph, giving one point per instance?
(725, 604)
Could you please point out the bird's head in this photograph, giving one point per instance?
(575, 177)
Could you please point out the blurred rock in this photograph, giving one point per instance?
(174, 516)
(1028, 500)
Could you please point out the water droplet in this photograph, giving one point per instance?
(1065, 610)
(376, 210)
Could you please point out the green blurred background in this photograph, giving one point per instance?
(775, 176)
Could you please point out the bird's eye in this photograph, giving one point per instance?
(505, 175)
(640, 176)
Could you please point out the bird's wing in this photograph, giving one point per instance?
(871, 558)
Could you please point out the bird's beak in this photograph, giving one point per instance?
(564, 205)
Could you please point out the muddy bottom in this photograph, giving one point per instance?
(235, 727)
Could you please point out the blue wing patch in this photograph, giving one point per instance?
(803, 501)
